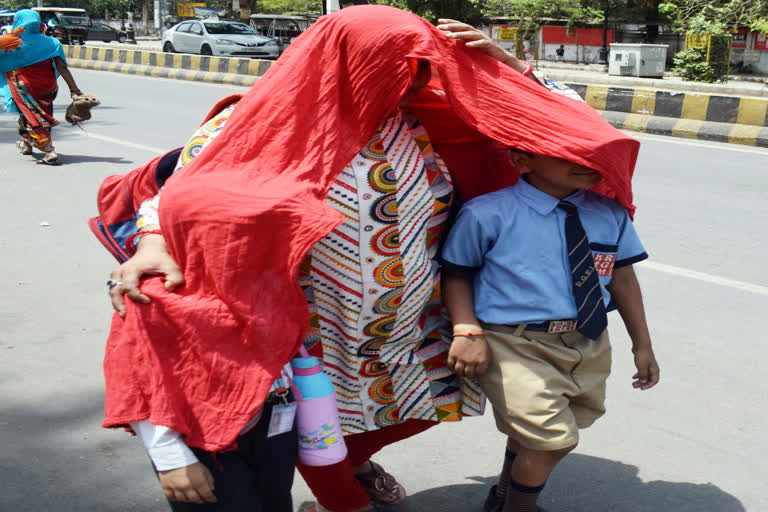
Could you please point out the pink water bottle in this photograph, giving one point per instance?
(321, 442)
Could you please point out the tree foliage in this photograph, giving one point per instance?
(711, 16)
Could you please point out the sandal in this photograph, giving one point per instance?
(23, 147)
(49, 160)
(310, 506)
(381, 486)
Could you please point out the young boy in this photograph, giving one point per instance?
(527, 290)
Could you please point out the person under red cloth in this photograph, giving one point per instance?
(267, 209)
(326, 480)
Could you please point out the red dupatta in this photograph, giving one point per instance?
(249, 207)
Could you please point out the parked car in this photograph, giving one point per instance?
(6, 22)
(214, 37)
(67, 24)
(102, 32)
(283, 27)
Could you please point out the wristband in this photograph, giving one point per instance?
(528, 68)
(137, 236)
(468, 334)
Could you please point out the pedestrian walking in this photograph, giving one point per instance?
(560, 52)
(30, 63)
(313, 215)
(530, 271)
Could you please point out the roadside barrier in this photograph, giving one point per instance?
(733, 119)
(740, 120)
(201, 68)
(676, 104)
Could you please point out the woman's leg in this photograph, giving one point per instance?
(336, 487)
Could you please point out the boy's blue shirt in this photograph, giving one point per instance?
(514, 241)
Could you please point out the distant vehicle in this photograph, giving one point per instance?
(6, 21)
(102, 32)
(67, 24)
(282, 27)
(223, 38)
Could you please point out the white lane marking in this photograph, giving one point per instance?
(707, 278)
(708, 144)
(124, 143)
(659, 267)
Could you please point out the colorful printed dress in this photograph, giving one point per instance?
(373, 283)
(33, 89)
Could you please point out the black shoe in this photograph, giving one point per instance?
(495, 504)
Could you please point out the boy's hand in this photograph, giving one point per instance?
(468, 356)
(647, 374)
(190, 484)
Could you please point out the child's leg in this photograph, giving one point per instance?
(540, 420)
(528, 475)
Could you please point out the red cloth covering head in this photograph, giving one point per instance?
(243, 214)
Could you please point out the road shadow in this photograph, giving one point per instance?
(68, 158)
(56, 457)
(586, 484)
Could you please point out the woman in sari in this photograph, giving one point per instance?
(313, 214)
(30, 64)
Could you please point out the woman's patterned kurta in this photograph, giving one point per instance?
(373, 284)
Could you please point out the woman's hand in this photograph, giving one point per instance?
(190, 484)
(475, 38)
(151, 258)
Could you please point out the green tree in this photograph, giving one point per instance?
(710, 15)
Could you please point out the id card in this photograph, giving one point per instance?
(282, 419)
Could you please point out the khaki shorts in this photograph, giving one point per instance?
(545, 387)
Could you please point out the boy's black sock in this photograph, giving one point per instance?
(521, 498)
(506, 475)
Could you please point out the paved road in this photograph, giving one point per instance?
(695, 443)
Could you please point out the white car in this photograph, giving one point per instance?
(221, 38)
(5, 29)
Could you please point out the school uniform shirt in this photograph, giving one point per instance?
(513, 241)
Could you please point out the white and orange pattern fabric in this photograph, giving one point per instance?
(373, 285)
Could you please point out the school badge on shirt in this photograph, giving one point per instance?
(604, 263)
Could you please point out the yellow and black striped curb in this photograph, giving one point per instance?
(748, 135)
(202, 68)
(733, 119)
(677, 105)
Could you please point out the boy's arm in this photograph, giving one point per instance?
(468, 356)
(626, 292)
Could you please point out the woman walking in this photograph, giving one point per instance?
(30, 63)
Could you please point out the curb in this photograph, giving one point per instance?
(732, 119)
(689, 128)
(225, 70)
(678, 105)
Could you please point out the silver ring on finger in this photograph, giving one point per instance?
(112, 283)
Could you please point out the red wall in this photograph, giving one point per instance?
(580, 36)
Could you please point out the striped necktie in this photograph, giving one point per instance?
(591, 317)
